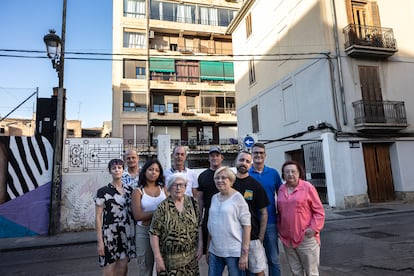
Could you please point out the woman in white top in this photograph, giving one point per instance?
(145, 199)
(229, 227)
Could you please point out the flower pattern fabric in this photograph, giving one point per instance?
(118, 228)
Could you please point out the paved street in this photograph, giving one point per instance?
(376, 243)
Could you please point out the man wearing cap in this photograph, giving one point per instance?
(131, 173)
(270, 179)
(257, 200)
(179, 155)
(207, 188)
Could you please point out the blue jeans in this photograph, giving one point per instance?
(216, 265)
(272, 250)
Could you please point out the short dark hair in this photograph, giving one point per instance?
(298, 166)
(259, 145)
(115, 162)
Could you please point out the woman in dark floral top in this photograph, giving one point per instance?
(114, 224)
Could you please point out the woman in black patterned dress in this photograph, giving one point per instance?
(114, 224)
(175, 231)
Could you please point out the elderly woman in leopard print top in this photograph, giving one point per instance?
(175, 231)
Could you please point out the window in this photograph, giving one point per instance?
(140, 72)
(134, 8)
(187, 70)
(134, 102)
(134, 40)
(163, 104)
(219, 103)
(173, 47)
(190, 103)
(134, 69)
(255, 119)
(252, 73)
(135, 135)
(188, 13)
(249, 25)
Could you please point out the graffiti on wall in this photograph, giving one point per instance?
(84, 171)
(25, 183)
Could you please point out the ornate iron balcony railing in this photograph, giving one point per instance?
(372, 36)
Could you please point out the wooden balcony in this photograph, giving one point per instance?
(369, 41)
(384, 116)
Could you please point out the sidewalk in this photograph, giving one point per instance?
(89, 236)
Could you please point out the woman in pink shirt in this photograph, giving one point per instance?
(301, 217)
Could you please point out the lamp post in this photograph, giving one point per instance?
(55, 47)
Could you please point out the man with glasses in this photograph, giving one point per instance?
(257, 200)
(270, 179)
(207, 188)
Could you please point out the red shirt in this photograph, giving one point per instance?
(298, 211)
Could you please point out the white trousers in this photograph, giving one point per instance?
(304, 259)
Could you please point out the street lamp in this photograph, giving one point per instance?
(55, 47)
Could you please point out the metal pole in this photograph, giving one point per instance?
(55, 199)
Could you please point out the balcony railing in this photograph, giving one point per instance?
(379, 115)
(365, 41)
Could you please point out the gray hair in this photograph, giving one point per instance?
(172, 178)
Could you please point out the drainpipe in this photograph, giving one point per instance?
(338, 60)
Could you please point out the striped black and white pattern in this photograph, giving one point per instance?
(30, 164)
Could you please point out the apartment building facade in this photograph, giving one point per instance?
(328, 83)
(173, 75)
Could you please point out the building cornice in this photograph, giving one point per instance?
(240, 15)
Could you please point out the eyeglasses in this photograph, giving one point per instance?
(290, 171)
(221, 178)
(178, 185)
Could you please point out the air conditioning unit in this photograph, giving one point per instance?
(151, 34)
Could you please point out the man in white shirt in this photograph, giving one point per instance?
(179, 156)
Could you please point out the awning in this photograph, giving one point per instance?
(228, 71)
(211, 70)
(162, 65)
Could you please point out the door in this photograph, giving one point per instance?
(371, 94)
(378, 172)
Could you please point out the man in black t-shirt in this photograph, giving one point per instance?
(256, 198)
(207, 188)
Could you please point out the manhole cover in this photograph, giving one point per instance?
(372, 210)
(348, 213)
(377, 235)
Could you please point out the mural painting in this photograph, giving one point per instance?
(25, 185)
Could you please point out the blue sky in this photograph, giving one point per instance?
(23, 23)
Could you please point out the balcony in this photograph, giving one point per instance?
(369, 41)
(372, 116)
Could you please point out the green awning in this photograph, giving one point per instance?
(162, 65)
(216, 70)
(211, 70)
(228, 71)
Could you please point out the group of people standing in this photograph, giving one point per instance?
(171, 218)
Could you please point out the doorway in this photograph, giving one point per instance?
(378, 172)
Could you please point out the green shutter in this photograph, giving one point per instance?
(162, 65)
(228, 71)
(211, 70)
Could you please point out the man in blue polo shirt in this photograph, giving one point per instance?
(270, 179)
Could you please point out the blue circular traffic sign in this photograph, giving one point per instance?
(248, 141)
